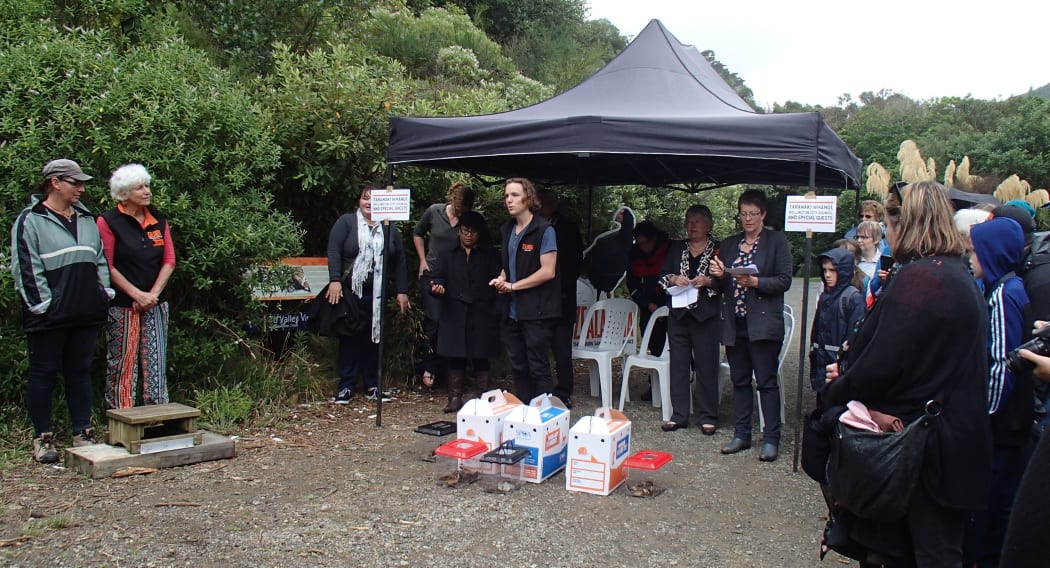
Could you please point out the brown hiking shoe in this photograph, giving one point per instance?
(84, 438)
(44, 448)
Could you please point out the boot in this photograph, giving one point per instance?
(481, 380)
(455, 391)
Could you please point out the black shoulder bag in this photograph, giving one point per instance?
(874, 474)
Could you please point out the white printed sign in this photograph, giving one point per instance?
(391, 205)
(815, 214)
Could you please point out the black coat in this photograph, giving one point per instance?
(926, 338)
(470, 309)
(707, 306)
(765, 304)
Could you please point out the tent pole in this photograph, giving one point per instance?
(382, 306)
(803, 334)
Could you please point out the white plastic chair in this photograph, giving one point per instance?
(789, 330)
(661, 364)
(586, 295)
(608, 332)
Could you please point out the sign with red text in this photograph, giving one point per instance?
(805, 213)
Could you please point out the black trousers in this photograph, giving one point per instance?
(694, 342)
(561, 346)
(529, 348)
(759, 359)
(431, 317)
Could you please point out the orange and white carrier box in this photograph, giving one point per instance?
(598, 447)
(482, 418)
(542, 428)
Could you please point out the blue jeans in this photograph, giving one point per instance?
(68, 349)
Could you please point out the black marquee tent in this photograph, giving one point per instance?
(658, 114)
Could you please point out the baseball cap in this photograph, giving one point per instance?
(65, 169)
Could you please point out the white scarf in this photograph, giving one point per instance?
(369, 261)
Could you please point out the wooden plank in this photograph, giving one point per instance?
(101, 460)
(153, 413)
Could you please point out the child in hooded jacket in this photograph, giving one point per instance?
(998, 247)
(839, 308)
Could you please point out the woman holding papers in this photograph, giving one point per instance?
(753, 269)
(693, 328)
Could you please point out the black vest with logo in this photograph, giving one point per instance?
(543, 301)
(138, 252)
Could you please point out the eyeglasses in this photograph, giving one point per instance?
(750, 214)
(73, 182)
(866, 216)
(468, 230)
(863, 237)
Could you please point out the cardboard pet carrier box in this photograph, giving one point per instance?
(598, 447)
(542, 428)
(482, 418)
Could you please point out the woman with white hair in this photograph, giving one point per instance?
(137, 243)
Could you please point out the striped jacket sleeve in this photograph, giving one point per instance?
(27, 267)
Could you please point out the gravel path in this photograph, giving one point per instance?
(331, 489)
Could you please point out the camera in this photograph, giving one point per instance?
(1040, 345)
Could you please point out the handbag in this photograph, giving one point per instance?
(343, 319)
(874, 474)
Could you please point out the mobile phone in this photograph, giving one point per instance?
(886, 262)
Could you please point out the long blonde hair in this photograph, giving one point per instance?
(926, 227)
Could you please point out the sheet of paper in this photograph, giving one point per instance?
(682, 296)
(743, 270)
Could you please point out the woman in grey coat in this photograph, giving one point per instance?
(753, 270)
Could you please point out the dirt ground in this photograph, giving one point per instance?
(332, 489)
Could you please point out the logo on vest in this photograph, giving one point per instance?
(157, 237)
(528, 247)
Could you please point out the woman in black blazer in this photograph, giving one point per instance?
(693, 330)
(753, 319)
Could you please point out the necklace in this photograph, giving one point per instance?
(67, 216)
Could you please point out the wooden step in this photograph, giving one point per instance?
(145, 426)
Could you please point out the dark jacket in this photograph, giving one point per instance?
(707, 305)
(644, 272)
(137, 252)
(999, 246)
(570, 255)
(838, 311)
(925, 339)
(543, 301)
(63, 281)
(765, 304)
(470, 309)
(343, 249)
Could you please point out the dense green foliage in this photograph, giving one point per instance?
(261, 121)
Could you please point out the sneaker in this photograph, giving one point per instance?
(85, 438)
(44, 448)
(344, 397)
(372, 395)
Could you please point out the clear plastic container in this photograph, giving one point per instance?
(508, 475)
(647, 475)
(458, 463)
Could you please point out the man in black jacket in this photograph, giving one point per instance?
(570, 247)
(530, 277)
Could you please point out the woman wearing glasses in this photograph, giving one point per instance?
(61, 274)
(470, 310)
(753, 270)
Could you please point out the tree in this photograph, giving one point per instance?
(78, 93)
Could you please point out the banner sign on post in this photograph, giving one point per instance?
(807, 213)
(391, 205)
